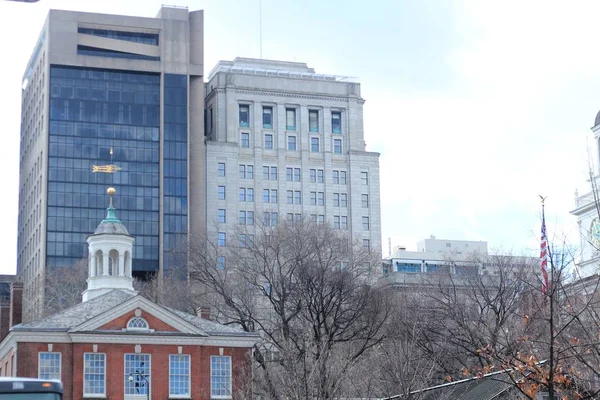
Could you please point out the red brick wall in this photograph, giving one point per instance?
(121, 323)
(4, 318)
(72, 367)
(27, 362)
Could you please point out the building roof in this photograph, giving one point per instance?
(76, 316)
(492, 386)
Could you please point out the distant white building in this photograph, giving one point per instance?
(433, 254)
(437, 260)
(588, 222)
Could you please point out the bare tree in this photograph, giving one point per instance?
(64, 286)
(307, 289)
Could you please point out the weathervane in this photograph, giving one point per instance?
(109, 169)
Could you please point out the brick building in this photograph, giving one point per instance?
(117, 344)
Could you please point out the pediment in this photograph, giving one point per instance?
(160, 319)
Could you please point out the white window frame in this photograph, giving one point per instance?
(103, 394)
(189, 388)
(126, 377)
(59, 364)
(135, 329)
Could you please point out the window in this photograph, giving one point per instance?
(337, 146)
(242, 194)
(221, 262)
(313, 175)
(339, 177)
(336, 199)
(268, 117)
(246, 172)
(94, 374)
(297, 197)
(343, 222)
(137, 324)
(244, 115)
(313, 198)
(222, 239)
(367, 244)
(364, 177)
(314, 145)
(343, 200)
(246, 240)
(269, 195)
(221, 169)
(365, 223)
(221, 192)
(220, 377)
(320, 199)
(365, 200)
(268, 141)
(179, 375)
(290, 196)
(336, 122)
(269, 173)
(137, 366)
(297, 174)
(270, 218)
(250, 217)
(290, 119)
(49, 365)
(242, 217)
(291, 143)
(313, 121)
(250, 195)
(320, 219)
(320, 176)
(289, 174)
(221, 216)
(336, 222)
(245, 140)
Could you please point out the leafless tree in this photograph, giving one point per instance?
(64, 286)
(307, 289)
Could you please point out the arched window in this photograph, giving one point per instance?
(137, 324)
(113, 263)
(99, 262)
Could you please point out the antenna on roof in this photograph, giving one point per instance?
(260, 25)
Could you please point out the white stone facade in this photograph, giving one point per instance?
(588, 220)
(331, 176)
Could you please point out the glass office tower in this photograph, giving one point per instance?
(108, 90)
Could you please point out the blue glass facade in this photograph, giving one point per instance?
(175, 169)
(92, 111)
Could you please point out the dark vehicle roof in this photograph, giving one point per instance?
(29, 385)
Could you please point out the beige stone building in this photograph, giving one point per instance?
(284, 142)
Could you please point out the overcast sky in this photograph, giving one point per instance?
(476, 107)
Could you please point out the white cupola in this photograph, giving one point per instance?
(109, 261)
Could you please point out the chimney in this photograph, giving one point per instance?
(16, 303)
(203, 312)
(4, 317)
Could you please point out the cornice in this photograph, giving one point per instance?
(292, 95)
(225, 341)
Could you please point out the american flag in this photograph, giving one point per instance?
(544, 255)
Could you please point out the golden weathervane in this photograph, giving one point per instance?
(108, 169)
